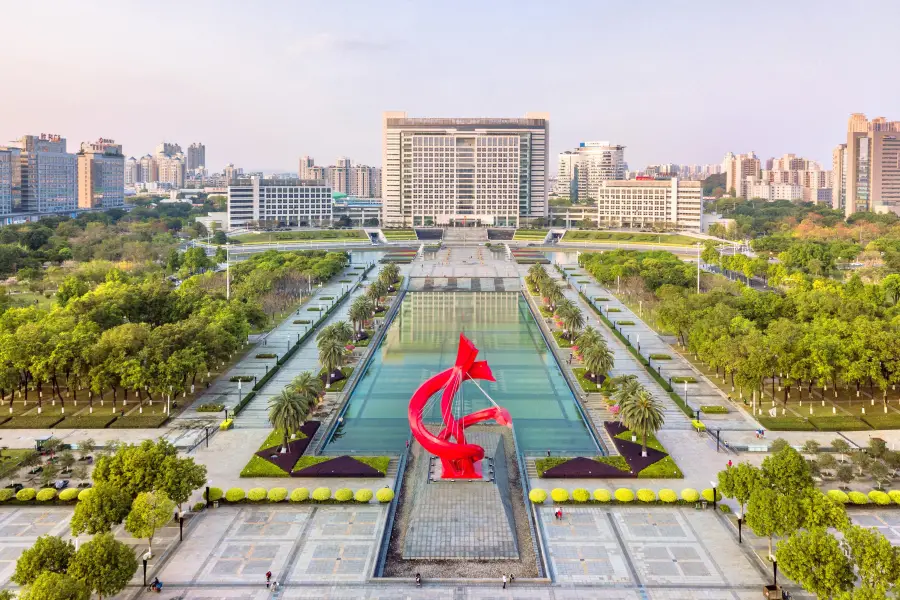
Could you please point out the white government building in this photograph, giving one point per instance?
(279, 203)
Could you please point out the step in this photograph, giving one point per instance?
(530, 468)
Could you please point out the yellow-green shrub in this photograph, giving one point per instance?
(235, 494)
(624, 495)
(256, 494)
(363, 495)
(215, 494)
(384, 495)
(858, 498)
(708, 494)
(68, 494)
(601, 495)
(343, 495)
(645, 495)
(276, 495)
(581, 495)
(46, 494)
(668, 496)
(838, 496)
(879, 497)
(300, 495)
(7, 493)
(321, 494)
(690, 495)
(895, 496)
(537, 496)
(85, 493)
(26, 494)
(559, 495)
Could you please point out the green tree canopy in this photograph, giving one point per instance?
(55, 586)
(104, 564)
(48, 554)
(104, 506)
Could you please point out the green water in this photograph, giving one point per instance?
(422, 341)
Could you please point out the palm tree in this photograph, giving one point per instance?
(572, 318)
(331, 355)
(626, 388)
(590, 337)
(286, 412)
(308, 387)
(360, 312)
(643, 416)
(389, 274)
(598, 360)
(551, 294)
(375, 292)
(342, 331)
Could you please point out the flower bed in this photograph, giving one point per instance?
(560, 340)
(586, 384)
(211, 407)
(687, 379)
(714, 410)
(660, 357)
(338, 385)
(280, 463)
(302, 322)
(241, 378)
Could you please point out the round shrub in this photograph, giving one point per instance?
(26, 494)
(363, 495)
(256, 494)
(537, 496)
(708, 494)
(235, 494)
(343, 495)
(300, 495)
(215, 494)
(668, 496)
(645, 495)
(83, 494)
(68, 494)
(581, 495)
(601, 495)
(321, 494)
(876, 496)
(46, 494)
(384, 495)
(276, 495)
(7, 493)
(858, 498)
(690, 495)
(839, 496)
(559, 495)
(624, 495)
(895, 496)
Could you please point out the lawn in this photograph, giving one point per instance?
(560, 340)
(629, 238)
(311, 236)
(586, 384)
(530, 235)
(399, 235)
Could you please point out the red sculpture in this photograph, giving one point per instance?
(460, 460)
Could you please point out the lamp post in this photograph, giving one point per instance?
(714, 484)
(740, 519)
(774, 560)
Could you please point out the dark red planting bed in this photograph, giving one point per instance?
(342, 466)
(586, 468)
(286, 461)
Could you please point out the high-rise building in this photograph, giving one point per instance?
(464, 171)
(132, 172)
(232, 173)
(581, 170)
(169, 149)
(278, 202)
(306, 163)
(149, 172)
(339, 176)
(737, 169)
(872, 165)
(196, 156)
(648, 202)
(101, 175)
(839, 177)
(365, 181)
(49, 174)
(170, 165)
(10, 180)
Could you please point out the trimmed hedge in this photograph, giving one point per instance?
(93, 421)
(624, 495)
(895, 496)
(879, 497)
(256, 494)
(68, 494)
(581, 495)
(300, 495)
(363, 495)
(343, 495)
(660, 356)
(321, 494)
(302, 322)
(537, 496)
(45, 495)
(698, 425)
(686, 379)
(668, 496)
(6, 494)
(645, 495)
(215, 494)
(277, 495)
(625, 323)
(211, 407)
(601, 495)
(714, 410)
(25, 494)
(85, 493)
(690, 495)
(613, 309)
(235, 494)
(707, 494)
(858, 498)
(384, 495)
(559, 495)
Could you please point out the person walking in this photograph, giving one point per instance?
(268, 579)
(504, 582)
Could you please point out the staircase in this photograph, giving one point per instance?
(393, 468)
(598, 412)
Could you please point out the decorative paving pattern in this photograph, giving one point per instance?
(887, 522)
(583, 547)
(20, 527)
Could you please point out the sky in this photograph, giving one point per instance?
(263, 83)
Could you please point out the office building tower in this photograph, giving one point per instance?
(839, 177)
(10, 180)
(306, 164)
(581, 170)
(257, 202)
(464, 171)
(49, 174)
(642, 203)
(737, 169)
(872, 165)
(132, 172)
(196, 156)
(339, 176)
(101, 175)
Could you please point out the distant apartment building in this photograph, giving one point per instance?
(756, 188)
(365, 181)
(581, 170)
(257, 202)
(148, 169)
(196, 156)
(306, 163)
(871, 163)
(101, 175)
(737, 169)
(791, 178)
(49, 174)
(453, 171)
(232, 173)
(647, 202)
(132, 172)
(839, 177)
(10, 180)
(338, 176)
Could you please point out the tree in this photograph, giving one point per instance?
(55, 586)
(360, 312)
(179, 477)
(815, 560)
(134, 468)
(738, 482)
(105, 505)
(770, 513)
(786, 472)
(308, 387)
(861, 593)
(880, 473)
(48, 554)
(811, 447)
(149, 512)
(219, 237)
(331, 355)
(598, 360)
(877, 560)
(287, 411)
(844, 473)
(840, 446)
(104, 564)
(819, 510)
(644, 416)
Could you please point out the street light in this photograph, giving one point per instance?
(740, 519)
(714, 484)
(774, 560)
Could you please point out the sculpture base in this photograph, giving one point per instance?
(441, 470)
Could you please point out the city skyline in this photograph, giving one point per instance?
(664, 78)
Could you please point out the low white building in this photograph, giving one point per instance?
(257, 202)
(645, 203)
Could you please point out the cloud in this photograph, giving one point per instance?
(330, 43)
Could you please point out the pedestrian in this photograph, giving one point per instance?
(274, 586)
(560, 513)
(268, 579)
(548, 453)
(504, 582)
(729, 462)
(511, 579)
(418, 580)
